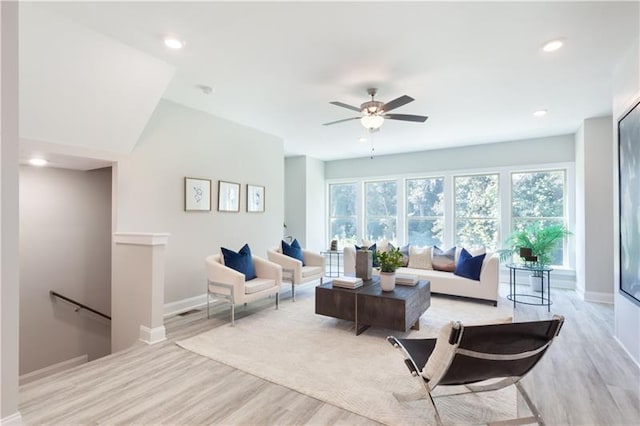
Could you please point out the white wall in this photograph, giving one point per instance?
(594, 218)
(555, 149)
(9, 289)
(626, 91)
(178, 142)
(65, 246)
(305, 201)
(316, 236)
(295, 213)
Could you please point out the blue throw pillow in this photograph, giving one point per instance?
(293, 250)
(241, 261)
(469, 266)
(374, 255)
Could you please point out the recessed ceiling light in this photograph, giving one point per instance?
(172, 42)
(38, 162)
(540, 113)
(552, 46)
(362, 139)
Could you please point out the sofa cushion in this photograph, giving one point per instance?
(293, 250)
(258, 284)
(420, 257)
(443, 260)
(308, 271)
(469, 266)
(242, 261)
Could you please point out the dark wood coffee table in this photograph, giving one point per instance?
(368, 305)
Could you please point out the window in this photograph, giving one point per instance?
(381, 206)
(425, 211)
(342, 212)
(539, 197)
(477, 211)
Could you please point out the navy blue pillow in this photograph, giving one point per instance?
(241, 261)
(293, 250)
(469, 266)
(374, 255)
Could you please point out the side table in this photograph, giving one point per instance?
(330, 254)
(538, 300)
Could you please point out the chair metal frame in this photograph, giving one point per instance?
(230, 297)
(455, 337)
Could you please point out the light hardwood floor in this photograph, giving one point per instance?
(586, 379)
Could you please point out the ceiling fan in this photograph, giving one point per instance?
(375, 112)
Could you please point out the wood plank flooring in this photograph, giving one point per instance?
(586, 379)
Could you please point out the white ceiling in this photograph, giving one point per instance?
(476, 69)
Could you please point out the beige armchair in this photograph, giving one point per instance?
(230, 284)
(294, 271)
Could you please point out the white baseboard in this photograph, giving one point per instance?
(152, 335)
(52, 369)
(13, 420)
(598, 297)
(184, 305)
(636, 362)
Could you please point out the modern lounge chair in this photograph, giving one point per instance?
(474, 354)
(310, 269)
(230, 284)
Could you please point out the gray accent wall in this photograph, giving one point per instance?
(65, 246)
(179, 142)
(626, 92)
(554, 149)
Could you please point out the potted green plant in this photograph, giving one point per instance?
(388, 262)
(541, 240)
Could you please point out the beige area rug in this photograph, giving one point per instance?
(323, 358)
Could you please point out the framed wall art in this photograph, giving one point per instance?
(629, 198)
(228, 196)
(255, 199)
(197, 194)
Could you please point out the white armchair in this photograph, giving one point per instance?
(230, 284)
(294, 270)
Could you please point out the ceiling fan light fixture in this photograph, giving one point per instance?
(372, 122)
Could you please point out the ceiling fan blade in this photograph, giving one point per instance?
(407, 117)
(398, 102)
(343, 105)
(340, 121)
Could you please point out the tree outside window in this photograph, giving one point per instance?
(477, 211)
(381, 210)
(342, 212)
(539, 197)
(425, 211)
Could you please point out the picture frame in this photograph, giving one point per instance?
(255, 198)
(228, 196)
(629, 202)
(197, 194)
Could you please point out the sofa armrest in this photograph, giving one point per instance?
(288, 263)
(312, 258)
(489, 274)
(267, 269)
(349, 260)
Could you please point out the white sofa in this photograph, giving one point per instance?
(447, 282)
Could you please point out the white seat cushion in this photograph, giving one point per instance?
(308, 271)
(258, 284)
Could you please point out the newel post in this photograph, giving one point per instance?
(137, 288)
